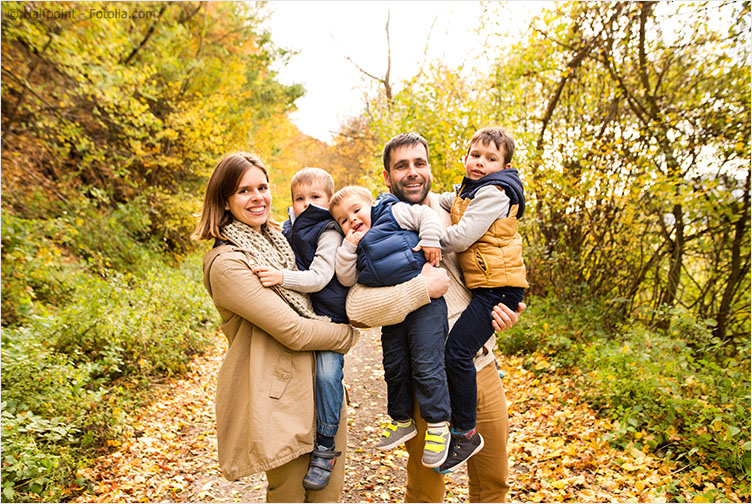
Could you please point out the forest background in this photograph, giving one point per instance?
(632, 123)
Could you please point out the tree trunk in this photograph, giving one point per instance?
(737, 269)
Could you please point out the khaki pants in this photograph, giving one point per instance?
(488, 469)
(286, 481)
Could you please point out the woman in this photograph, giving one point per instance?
(265, 401)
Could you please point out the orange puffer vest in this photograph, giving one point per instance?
(495, 260)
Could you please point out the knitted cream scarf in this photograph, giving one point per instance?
(270, 248)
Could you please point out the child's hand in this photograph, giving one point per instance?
(269, 276)
(433, 254)
(354, 236)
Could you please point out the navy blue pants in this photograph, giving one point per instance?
(414, 360)
(468, 335)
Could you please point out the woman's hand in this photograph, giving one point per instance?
(437, 280)
(504, 318)
(269, 276)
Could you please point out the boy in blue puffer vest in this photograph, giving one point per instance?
(382, 247)
(484, 212)
(315, 238)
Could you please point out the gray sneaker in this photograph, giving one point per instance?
(395, 434)
(437, 446)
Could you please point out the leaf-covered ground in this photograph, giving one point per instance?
(557, 449)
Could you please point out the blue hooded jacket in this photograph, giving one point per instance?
(385, 255)
(303, 236)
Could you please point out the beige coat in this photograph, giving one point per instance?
(265, 401)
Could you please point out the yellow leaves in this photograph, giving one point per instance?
(718, 425)
(541, 364)
(636, 453)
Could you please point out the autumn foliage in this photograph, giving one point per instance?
(632, 122)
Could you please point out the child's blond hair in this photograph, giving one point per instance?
(348, 191)
(311, 175)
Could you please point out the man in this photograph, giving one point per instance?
(407, 175)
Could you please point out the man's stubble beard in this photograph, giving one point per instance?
(398, 191)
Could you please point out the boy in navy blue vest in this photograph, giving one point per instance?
(382, 247)
(315, 238)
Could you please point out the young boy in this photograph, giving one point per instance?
(382, 247)
(484, 213)
(315, 238)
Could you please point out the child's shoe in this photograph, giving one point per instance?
(463, 447)
(320, 467)
(396, 433)
(437, 444)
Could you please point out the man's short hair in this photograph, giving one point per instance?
(499, 137)
(310, 176)
(402, 140)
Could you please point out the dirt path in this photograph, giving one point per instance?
(557, 448)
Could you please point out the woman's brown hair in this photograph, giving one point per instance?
(222, 184)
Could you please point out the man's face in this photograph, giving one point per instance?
(409, 176)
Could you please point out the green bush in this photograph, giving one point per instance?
(94, 312)
(678, 392)
(173, 218)
(687, 407)
(42, 256)
(553, 328)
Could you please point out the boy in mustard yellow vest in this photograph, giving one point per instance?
(484, 212)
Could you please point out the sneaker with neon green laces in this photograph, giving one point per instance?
(396, 433)
(437, 444)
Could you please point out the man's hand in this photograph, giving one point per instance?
(354, 236)
(436, 280)
(433, 254)
(269, 276)
(504, 318)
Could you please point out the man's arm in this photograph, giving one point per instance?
(383, 306)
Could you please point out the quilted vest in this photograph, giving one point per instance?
(303, 236)
(385, 255)
(495, 260)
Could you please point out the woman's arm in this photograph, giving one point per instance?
(234, 287)
(382, 306)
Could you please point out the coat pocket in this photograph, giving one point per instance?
(282, 374)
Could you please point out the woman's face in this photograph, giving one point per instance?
(251, 202)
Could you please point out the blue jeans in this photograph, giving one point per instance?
(329, 391)
(414, 356)
(468, 335)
